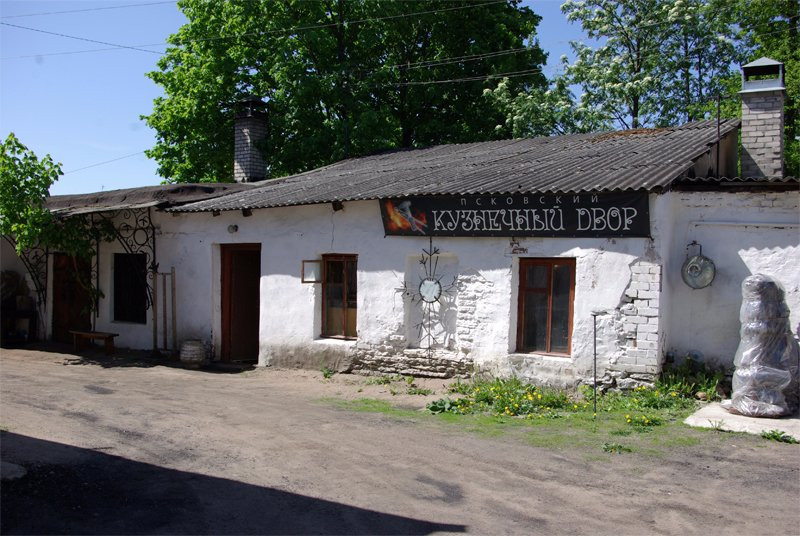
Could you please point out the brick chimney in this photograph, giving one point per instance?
(249, 129)
(763, 93)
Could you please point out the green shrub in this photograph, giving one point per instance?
(777, 435)
(692, 377)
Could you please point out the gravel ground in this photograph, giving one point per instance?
(127, 446)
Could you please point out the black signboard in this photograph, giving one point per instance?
(567, 215)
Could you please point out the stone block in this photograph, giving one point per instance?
(647, 328)
(648, 311)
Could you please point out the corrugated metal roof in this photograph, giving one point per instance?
(166, 195)
(613, 161)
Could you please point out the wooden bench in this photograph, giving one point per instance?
(78, 337)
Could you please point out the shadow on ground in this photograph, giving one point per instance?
(70, 490)
(123, 357)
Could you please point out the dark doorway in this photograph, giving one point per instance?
(71, 300)
(241, 275)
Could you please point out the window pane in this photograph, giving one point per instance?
(534, 334)
(130, 288)
(352, 298)
(536, 276)
(334, 271)
(334, 310)
(559, 323)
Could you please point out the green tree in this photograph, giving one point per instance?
(341, 78)
(543, 112)
(697, 59)
(658, 62)
(619, 76)
(25, 182)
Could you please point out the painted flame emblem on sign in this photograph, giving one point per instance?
(401, 217)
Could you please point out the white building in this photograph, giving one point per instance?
(494, 256)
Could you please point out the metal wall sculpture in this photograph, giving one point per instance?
(35, 261)
(135, 232)
(429, 292)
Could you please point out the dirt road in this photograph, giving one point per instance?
(135, 449)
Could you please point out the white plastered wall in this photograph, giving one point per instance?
(485, 302)
(744, 234)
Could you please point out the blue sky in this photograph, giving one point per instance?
(84, 108)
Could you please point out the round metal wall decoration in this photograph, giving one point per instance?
(430, 289)
(430, 292)
(698, 271)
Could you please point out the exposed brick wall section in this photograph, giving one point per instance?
(637, 323)
(248, 164)
(762, 134)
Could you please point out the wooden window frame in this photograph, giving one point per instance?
(304, 272)
(344, 258)
(524, 263)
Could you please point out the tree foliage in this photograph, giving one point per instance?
(24, 184)
(547, 111)
(659, 62)
(25, 180)
(341, 77)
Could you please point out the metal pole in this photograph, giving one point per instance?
(718, 133)
(594, 368)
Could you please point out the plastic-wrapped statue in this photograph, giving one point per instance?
(765, 382)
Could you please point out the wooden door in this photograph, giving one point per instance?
(241, 279)
(71, 300)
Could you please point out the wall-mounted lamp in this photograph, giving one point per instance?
(698, 271)
(233, 228)
(337, 206)
(246, 212)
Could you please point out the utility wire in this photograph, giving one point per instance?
(85, 10)
(102, 163)
(80, 38)
(251, 34)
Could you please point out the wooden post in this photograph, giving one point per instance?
(155, 312)
(164, 308)
(174, 314)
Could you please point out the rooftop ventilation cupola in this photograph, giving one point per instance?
(250, 130)
(763, 74)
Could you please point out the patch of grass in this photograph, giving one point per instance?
(615, 448)
(326, 372)
(381, 380)
(419, 391)
(371, 405)
(778, 435)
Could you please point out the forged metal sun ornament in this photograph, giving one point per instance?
(429, 292)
